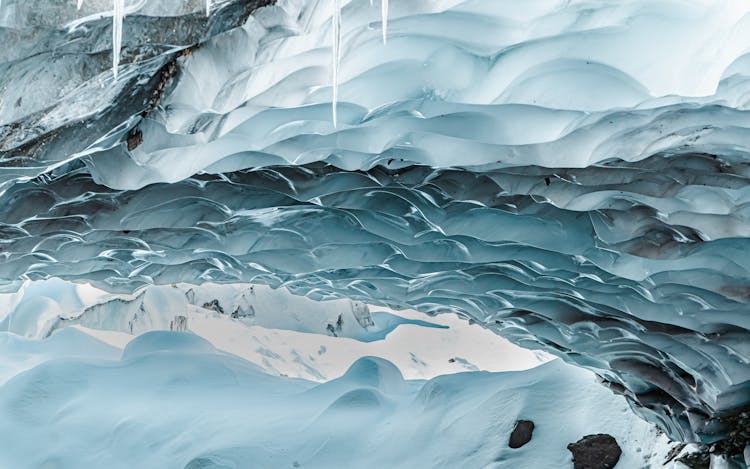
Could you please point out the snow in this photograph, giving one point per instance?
(18, 354)
(419, 351)
(594, 263)
(286, 335)
(172, 400)
(276, 390)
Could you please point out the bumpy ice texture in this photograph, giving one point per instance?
(573, 176)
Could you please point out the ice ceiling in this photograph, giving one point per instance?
(572, 174)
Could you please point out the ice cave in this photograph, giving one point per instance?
(502, 234)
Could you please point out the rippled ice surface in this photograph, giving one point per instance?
(572, 175)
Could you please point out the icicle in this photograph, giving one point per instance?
(80, 4)
(384, 19)
(208, 7)
(335, 57)
(117, 18)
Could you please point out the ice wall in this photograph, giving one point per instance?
(572, 175)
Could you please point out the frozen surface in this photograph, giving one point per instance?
(572, 175)
(286, 335)
(621, 268)
(218, 411)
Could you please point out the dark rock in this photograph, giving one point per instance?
(179, 324)
(214, 305)
(240, 312)
(699, 460)
(521, 434)
(595, 452)
(339, 323)
(135, 138)
(738, 434)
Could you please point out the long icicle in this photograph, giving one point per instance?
(335, 58)
(80, 4)
(117, 19)
(208, 7)
(384, 19)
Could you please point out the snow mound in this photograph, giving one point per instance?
(376, 373)
(163, 341)
(217, 411)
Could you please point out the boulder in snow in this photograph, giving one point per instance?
(521, 433)
(595, 452)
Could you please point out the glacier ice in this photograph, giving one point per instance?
(572, 175)
(335, 58)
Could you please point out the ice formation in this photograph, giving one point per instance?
(384, 19)
(117, 18)
(335, 58)
(571, 175)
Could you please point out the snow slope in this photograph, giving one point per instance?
(278, 390)
(174, 401)
(570, 173)
(286, 335)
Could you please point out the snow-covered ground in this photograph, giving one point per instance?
(262, 391)
(286, 335)
(174, 401)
